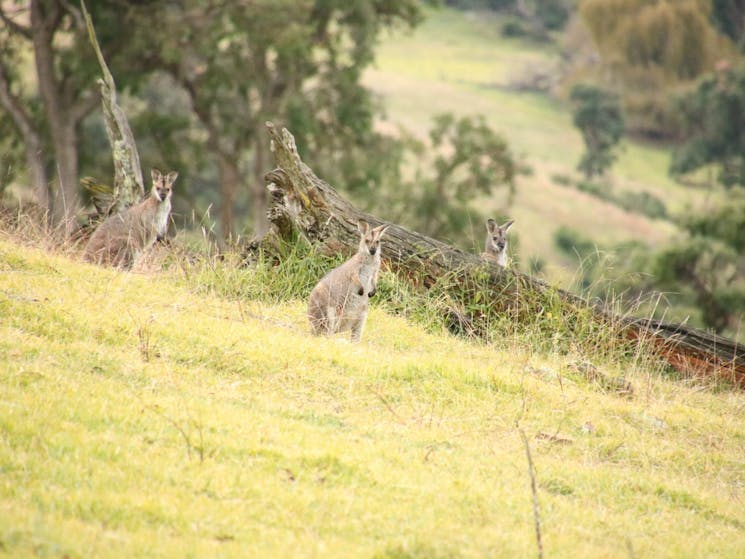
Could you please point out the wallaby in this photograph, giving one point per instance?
(122, 238)
(339, 301)
(495, 248)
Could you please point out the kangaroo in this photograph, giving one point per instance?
(495, 248)
(122, 238)
(339, 301)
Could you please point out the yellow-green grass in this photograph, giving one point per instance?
(143, 418)
(458, 62)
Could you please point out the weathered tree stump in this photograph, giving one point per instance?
(303, 205)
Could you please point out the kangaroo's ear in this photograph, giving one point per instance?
(506, 226)
(156, 174)
(491, 225)
(380, 229)
(363, 226)
(171, 177)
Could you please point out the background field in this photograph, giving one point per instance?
(144, 416)
(459, 62)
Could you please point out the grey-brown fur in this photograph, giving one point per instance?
(122, 238)
(495, 247)
(339, 301)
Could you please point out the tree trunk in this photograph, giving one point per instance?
(61, 125)
(38, 174)
(229, 182)
(300, 203)
(258, 191)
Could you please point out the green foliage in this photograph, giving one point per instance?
(11, 153)
(711, 125)
(598, 116)
(534, 18)
(673, 36)
(651, 48)
(597, 189)
(643, 203)
(63, 89)
(708, 267)
(729, 17)
(298, 64)
(553, 14)
(704, 272)
(289, 273)
(470, 160)
(726, 224)
(571, 242)
(232, 68)
(481, 4)
(514, 28)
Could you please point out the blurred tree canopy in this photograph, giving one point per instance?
(533, 18)
(650, 48)
(707, 265)
(296, 62)
(598, 116)
(230, 66)
(713, 126)
(729, 18)
(435, 197)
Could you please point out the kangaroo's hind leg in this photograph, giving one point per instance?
(318, 312)
(358, 326)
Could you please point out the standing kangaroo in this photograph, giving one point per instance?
(122, 238)
(339, 301)
(495, 247)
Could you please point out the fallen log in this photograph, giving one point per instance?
(302, 205)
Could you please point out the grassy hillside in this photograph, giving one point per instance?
(458, 62)
(144, 416)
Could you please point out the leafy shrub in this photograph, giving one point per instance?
(596, 189)
(563, 180)
(571, 242)
(598, 116)
(513, 28)
(643, 203)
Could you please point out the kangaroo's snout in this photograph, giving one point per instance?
(373, 250)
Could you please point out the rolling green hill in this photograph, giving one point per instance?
(143, 415)
(459, 62)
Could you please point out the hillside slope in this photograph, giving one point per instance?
(143, 417)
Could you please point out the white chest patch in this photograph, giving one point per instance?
(161, 217)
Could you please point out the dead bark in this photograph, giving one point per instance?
(129, 186)
(301, 204)
(258, 192)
